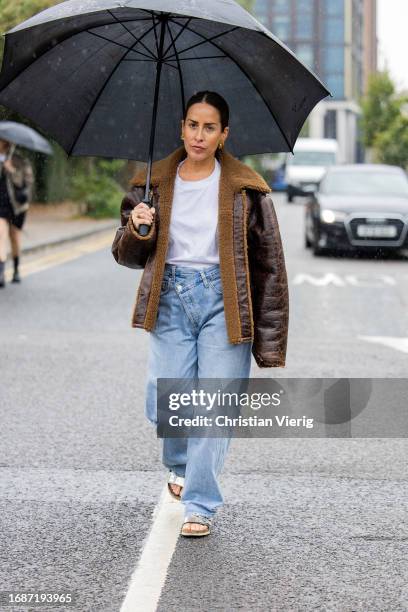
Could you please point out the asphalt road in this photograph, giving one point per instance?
(308, 524)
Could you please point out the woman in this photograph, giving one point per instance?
(16, 180)
(214, 286)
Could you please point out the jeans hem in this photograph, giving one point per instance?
(191, 509)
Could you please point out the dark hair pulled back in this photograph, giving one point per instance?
(213, 98)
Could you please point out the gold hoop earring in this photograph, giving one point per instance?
(220, 145)
(182, 137)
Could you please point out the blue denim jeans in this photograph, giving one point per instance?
(189, 341)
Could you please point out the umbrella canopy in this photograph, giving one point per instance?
(23, 135)
(93, 73)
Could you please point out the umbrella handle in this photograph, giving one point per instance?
(143, 229)
(11, 151)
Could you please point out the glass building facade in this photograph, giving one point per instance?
(317, 31)
(336, 39)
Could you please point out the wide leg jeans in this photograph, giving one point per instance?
(189, 341)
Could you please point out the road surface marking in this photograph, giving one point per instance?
(370, 281)
(319, 281)
(148, 579)
(397, 343)
(57, 258)
(379, 280)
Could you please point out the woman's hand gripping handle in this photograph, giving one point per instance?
(142, 218)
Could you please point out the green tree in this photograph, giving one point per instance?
(391, 146)
(12, 13)
(384, 124)
(380, 106)
(247, 4)
(98, 188)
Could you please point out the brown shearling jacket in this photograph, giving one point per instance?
(252, 263)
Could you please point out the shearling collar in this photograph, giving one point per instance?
(234, 172)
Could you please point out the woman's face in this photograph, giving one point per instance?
(202, 131)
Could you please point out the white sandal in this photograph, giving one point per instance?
(177, 480)
(198, 519)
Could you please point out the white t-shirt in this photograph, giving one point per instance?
(193, 239)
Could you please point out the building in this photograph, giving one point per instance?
(370, 42)
(337, 40)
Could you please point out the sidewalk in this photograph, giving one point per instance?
(53, 224)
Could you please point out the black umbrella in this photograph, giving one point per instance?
(103, 77)
(23, 135)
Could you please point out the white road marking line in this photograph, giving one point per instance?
(353, 280)
(147, 580)
(399, 344)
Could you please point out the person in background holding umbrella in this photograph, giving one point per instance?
(16, 181)
(190, 334)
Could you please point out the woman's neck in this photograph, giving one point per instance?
(194, 170)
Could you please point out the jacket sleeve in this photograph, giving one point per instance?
(269, 284)
(129, 248)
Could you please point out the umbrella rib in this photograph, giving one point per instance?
(155, 34)
(128, 30)
(179, 34)
(248, 77)
(114, 42)
(188, 59)
(183, 101)
(101, 92)
(202, 36)
(141, 60)
(64, 38)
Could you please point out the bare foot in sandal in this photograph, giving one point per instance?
(194, 527)
(176, 488)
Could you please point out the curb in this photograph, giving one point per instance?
(71, 238)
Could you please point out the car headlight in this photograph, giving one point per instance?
(330, 216)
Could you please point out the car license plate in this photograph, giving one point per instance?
(377, 231)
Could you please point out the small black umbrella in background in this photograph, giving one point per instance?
(23, 135)
(104, 77)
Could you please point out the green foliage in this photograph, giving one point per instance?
(12, 13)
(98, 188)
(391, 146)
(305, 131)
(384, 124)
(380, 107)
(247, 4)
